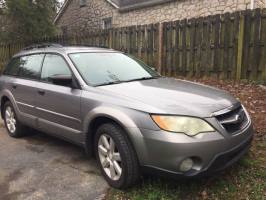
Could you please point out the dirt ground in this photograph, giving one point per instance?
(40, 167)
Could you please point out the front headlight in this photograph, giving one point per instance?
(189, 125)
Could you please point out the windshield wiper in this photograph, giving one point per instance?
(110, 83)
(126, 81)
(143, 78)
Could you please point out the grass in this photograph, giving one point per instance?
(246, 180)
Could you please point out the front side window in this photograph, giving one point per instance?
(30, 66)
(54, 65)
(105, 68)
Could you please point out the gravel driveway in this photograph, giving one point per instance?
(41, 167)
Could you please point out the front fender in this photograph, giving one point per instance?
(109, 112)
(115, 114)
(132, 121)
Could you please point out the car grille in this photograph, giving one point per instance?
(234, 120)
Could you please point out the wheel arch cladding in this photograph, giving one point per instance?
(4, 99)
(107, 115)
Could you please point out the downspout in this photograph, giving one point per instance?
(252, 3)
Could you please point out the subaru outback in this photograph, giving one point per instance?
(123, 112)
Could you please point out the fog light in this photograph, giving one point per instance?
(186, 165)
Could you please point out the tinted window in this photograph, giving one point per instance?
(102, 68)
(13, 67)
(30, 66)
(54, 65)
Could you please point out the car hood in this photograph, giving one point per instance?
(172, 96)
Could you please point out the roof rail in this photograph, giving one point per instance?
(42, 45)
(87, 45)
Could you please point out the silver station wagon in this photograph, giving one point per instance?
(123, 112)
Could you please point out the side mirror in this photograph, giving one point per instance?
(64, 80)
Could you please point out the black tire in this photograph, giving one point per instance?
(129, 162)
(20, 130)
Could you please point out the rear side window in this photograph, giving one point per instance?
(30, 66)
(54, 65)
(13, 67)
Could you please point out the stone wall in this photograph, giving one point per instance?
(76, 18)
(3, 25)
(260, 3)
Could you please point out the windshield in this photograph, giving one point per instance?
(110, 68)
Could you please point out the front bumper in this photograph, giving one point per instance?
(211, 152)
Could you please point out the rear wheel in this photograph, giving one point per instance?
(14, 127)
(116, 157)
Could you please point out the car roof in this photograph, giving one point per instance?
(63, 50)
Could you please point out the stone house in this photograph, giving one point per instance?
(86, 15)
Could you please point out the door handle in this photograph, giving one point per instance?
(14, 86)
(41, 92)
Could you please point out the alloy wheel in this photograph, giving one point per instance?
(110, 157)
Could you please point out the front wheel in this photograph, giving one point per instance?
(115, 155)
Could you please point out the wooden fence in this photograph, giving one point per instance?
(231, 46)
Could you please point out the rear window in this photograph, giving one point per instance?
(13, 67)
(26, 67)
(30, 66)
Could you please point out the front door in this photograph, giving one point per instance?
(58, 106)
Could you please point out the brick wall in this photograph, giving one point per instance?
(89, 17)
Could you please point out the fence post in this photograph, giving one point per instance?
(160, 51)
(110, 38)
(240, 49)
(9, 52)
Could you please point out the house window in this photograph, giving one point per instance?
(107, 23)
(64, 30)
(82, 3)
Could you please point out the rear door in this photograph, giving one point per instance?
(24, 73)
(58, 106)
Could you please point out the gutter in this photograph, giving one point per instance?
(61, 11)
(143, 5)
(113, 4)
